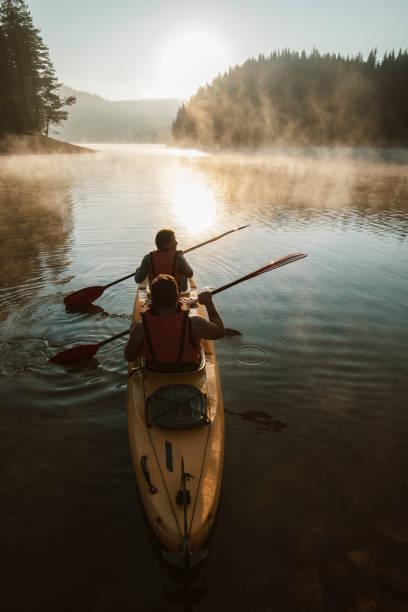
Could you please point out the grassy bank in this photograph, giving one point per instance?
(36, 144)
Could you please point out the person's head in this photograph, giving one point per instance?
(166, 240)
(164, 291)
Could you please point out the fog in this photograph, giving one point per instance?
(36, 198)
(306, 182)
(35, 217)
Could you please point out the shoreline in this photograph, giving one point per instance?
(37, 144)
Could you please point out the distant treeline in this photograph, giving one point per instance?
(296, 98)
(29, 90)
(94, 119)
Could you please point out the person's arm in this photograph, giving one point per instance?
(143, 270)
(135, 342)
(212, 329)
(183, 266)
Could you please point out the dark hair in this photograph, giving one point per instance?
(164, 291)
(163, 237)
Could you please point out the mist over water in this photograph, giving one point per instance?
(314, 499)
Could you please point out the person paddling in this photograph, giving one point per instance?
(165, 260)
(167, 334)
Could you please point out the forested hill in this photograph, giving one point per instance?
(94, 119)
(295, 98)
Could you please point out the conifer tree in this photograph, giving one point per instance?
(30, 97)
(6, 122)
(52, 107)
(301, 99)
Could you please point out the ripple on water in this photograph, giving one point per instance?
(21, 354)
(251, 355)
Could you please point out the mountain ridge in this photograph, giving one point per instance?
(95, 119)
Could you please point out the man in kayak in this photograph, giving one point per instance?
(167, 334)
(166, 260)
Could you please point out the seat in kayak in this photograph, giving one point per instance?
(177, 406)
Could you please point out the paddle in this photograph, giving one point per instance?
(272, 265)
(86, 351)
(90, 294)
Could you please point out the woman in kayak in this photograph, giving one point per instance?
(167, 334)
(165, 260)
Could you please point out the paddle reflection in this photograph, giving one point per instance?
(260, 418)
(94, 309)
(86, 309)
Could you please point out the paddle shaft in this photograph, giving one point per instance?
(236, 229)
(235, 282)
(119, 280)
(127, 331)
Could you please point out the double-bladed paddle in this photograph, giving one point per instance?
(90, 294)
(86, 351)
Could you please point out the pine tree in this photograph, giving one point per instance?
(52, 105)
(6, 114)
(31, 101)
(299, 98)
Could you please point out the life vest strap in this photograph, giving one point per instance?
(152, 265)
(183, 336)
(148, 338)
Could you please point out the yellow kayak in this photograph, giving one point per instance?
(176, 434)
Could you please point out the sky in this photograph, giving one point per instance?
(137, 49)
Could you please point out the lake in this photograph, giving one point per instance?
(315, 488)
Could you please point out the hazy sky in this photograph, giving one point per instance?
(132, 49)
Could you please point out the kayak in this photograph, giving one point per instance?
(176, 436)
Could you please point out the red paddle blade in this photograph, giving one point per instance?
(85, 351)
(84, 296)
(287, 259)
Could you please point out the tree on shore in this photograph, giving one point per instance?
(301, 99)
(29, 90)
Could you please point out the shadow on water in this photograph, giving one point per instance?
(183, 587)
(95, 309)
(86, 309)
(260, 418)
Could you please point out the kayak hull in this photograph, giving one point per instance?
(161, 456)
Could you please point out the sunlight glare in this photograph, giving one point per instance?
(193, 201)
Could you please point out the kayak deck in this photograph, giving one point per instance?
(169, 461)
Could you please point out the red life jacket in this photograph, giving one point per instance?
(164, 262)
(167, 338)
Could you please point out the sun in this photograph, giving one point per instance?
(188, 61)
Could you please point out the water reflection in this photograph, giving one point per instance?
(35, 227)
(193, 201)
(274, 186)
(314, 514)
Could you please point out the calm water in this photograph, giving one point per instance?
(315, 490)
